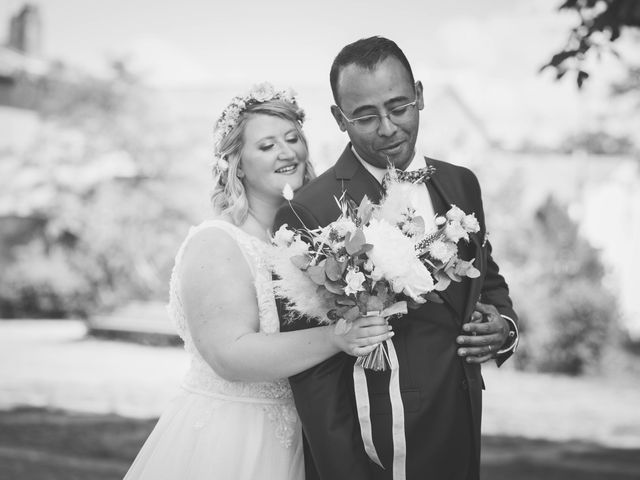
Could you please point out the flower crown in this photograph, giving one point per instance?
(261, 93)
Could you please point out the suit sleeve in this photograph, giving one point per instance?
(324, 396)
(495, 290)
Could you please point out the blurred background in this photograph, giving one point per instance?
(106, 118)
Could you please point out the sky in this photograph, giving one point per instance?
(490, 51)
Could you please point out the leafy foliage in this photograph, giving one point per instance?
(598, 143)
(601, 23)
(102, 175)
(567, 314)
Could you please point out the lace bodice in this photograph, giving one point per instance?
(276, 396)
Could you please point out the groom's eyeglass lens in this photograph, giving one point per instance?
(369, 123)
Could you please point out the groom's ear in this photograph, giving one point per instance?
(342, 123)
(419, 95)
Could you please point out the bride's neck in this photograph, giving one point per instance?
(260, 218)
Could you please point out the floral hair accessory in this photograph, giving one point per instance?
(220, 165)
(261, 93)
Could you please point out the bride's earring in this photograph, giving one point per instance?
(240, 174)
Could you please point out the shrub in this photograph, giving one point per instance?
(113, 187)
(568, 316)
(41, 284)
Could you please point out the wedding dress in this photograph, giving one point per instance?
(219, 429)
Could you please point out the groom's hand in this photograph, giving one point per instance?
(484, 335)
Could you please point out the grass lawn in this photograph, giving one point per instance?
(41, 444)
(535, 426)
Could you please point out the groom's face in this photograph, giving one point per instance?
(377, 92)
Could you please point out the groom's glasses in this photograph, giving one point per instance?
(370, 123)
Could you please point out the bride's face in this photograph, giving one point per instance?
(273, 155)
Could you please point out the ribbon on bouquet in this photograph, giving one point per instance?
(397, 414)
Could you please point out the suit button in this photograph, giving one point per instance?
(464, 385)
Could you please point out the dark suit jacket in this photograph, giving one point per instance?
(441, 394)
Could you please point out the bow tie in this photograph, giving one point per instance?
(421, 175)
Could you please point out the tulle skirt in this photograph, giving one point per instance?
(205, 437)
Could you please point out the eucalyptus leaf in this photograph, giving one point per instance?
(442, 283)
(334, 287)
(365, 248)
(345, 301)
(352, 314)
(433, 297)
(355, 242)
(453, 275)
(473, 272)
(316, 273)
(301, 261)
(333, 269)
(365, 210)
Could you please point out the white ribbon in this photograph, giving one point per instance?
(364, 410)
(397, 415)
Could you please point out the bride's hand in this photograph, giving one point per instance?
(361, 336)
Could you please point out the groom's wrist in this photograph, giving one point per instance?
(511, 343)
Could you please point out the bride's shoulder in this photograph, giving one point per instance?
(211, 228)
(211, 245)
(214, 235)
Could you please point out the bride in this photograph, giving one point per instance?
(235, 417)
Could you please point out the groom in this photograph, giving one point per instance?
(440, 346)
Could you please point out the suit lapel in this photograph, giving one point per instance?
(355, 179)
(476, 283)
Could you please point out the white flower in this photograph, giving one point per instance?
(262, 92)
(397, 204)
(287, 192)
(368, 265)
(413, 228)
(298, 246)
(233, 114)
(394, 257)
(455, 214)
(376, 275)
(343, 225)
(239, 103)
(222, 165)
(442, 251)
(289, 95)
(283, 237)
(323, 235)
(454, 231)
(354, 280)
(470, 223)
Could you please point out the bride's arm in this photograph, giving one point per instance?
(219, 300)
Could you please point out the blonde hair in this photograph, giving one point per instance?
(229, 196)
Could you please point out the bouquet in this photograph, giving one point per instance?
(374, 259)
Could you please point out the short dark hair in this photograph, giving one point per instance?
(366, 53)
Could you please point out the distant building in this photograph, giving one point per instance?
(25, 31)
(22, 77)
